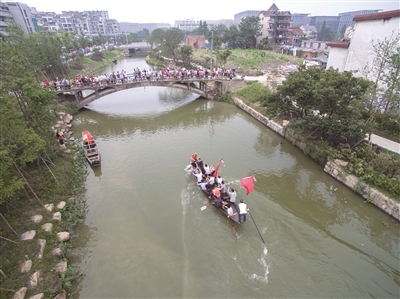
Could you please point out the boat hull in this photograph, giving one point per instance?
(90, 149)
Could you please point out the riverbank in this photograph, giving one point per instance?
(37, 232)
(87, 66)
(334, 168)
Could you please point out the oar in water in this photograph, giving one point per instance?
(205, 207)
(265, 245)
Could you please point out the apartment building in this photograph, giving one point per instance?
(21, 14)
(5, 17)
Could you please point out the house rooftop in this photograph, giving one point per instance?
(343, 45)
(378, 16)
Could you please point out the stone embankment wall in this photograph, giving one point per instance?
(334, 168)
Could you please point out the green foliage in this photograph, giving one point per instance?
(202, 29)
(254, 92)
(264, 44)
(168, 40)
(186, 54)
(26, 119)
(326, 33)
(232, 36)
(250, 29)
(381, 170)
(222, 56)
(227, 97)
(328, 101)
(385, 73)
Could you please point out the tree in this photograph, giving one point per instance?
(222, 56)
(264, 44)
(384, 72)
(202, 29)
(172, 39)
(326, 33)
(25, 108)
(327, 102)
(232, 36)
(156, 37)
(186, 54)
(250, 29)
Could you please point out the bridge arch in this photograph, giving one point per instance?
(205, 88)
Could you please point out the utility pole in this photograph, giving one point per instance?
(212, 41)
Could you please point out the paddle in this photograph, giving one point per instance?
(265, 245)
(205, 207)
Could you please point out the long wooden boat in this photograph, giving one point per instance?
(233, 208)
(90, 149)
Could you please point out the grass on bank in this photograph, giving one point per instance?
(87, 66)
(249, 61)
(61, 181)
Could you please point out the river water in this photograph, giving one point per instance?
(145, 235)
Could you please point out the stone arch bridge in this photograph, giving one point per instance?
(206, 88)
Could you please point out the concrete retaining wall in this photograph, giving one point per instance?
(334, 168)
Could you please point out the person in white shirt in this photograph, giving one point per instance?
(232, 195)
(207, 169)
(202, 184)
(242, 211)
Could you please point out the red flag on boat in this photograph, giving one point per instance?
(217, 168)
(248, 184)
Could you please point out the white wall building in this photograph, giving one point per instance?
(357, 52)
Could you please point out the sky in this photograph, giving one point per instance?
(167, 11)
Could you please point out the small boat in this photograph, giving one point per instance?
(115, 61)
(233, 209)
(90, 149)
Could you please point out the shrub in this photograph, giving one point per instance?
(254, 92)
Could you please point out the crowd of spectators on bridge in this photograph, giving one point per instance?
(120, 77)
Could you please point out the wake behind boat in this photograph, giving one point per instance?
(211, 184)
(90, 149)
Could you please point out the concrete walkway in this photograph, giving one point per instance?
(385, 143)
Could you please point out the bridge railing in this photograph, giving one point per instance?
(132, 78)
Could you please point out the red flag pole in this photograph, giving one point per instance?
(217, 168)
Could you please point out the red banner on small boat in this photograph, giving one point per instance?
(248, 184)
(217, 168)
(87, 137)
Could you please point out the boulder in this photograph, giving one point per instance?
(63, 236)
(42, 244)
(37, 296)
(26, 266)
(20, 294)
(37, 218)
(29, 235)
(68, 118)
(62, 267)
(61, 205)
(47, 227)
(61, 296)
(57, 216)
(49, 207)
(56, 252)
(34, 280)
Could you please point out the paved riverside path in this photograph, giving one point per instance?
(385, 143)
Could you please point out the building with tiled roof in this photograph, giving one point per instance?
(275, 25)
